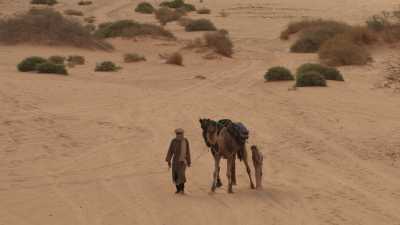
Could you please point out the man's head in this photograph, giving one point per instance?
(179, 133)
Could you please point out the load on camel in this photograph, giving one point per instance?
(226, 140)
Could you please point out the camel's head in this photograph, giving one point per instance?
(209, 128)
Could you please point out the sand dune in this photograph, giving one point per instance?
(89, 148)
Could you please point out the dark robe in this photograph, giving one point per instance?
(178, 167)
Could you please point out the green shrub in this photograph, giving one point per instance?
(310, 78)
(85, 2)
(44, 2)
(73, 12)
(165, 15)
(144, 7)
(220, 42)
(178, 4)
(203, 11)
(46, 26)
(76, 60)
(340, 51)
(30, 63)
(175, 59)
(133, 58)
(200, 25)
(106, 66)
(49, 67)
(56, 59)
(130, 29)
(329, 73)
(278, 73)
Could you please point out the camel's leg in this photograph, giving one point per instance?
(233, 168)
(246, 163)
(229, 174)
(214, 154)
(215, 174)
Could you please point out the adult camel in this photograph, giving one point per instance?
(225, 146)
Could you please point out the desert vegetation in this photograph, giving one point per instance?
(203, 11)
(220, 42)
(133, 57)
(309, 79)
(130, 29)
(166, 15)
(46, 26)
(73, 12)
(175, 59)
(44, 2)
(56, 59)
(144, 7)
(200, 25)
(41, 65)
(278, 73)
(74, 60)
(106, 66)
(84, 3)
(178, 4)
(329, 73)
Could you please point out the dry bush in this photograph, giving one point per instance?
(340, 51)
(106, 66)
(361, 35)
(178, 4)
(131, 29)
(165, 15)
(175, 59)
(44, 2)
(392, 77)
(312, 37)
(220, 42)
(133, 57)
(45, 26)
(74, 60)
(73, 12)
(184, 21)
(53, 68)
(298, 26)
(200, 25)
(203, 11)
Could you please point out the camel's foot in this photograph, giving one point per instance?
(252, 186)
(230, 190)
(219, 183)
(213, 188)
(234, 183)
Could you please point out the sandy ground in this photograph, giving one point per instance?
(88, 149)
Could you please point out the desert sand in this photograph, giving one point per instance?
(89, 148)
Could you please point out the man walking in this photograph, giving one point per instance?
(258, 164)
(179, 153)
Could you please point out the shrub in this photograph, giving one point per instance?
(342, 51)
(312, 38)
(76, 60)
(133, 58)
(90, 27)
(49, 67)
(73, 12)
(298, 26)
(310, 78)
(200, 25)
(46, 26)
(220, 42)
(203, 11)
(184, 21)
(56, 59)
(129, 29)
(175, 59)
(165, 15)
(178, 4)
(90, 19)
(44, 2)
(85, 2)
(144, 7)
(278, 73)
(30, 63)
(378, 22)
(361, 35)
(106, 66)
(329, 73)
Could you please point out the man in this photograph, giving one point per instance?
(258, 164)
(179, 152)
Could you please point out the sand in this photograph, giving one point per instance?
(88, 149)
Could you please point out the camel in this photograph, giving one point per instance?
(224, 146)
